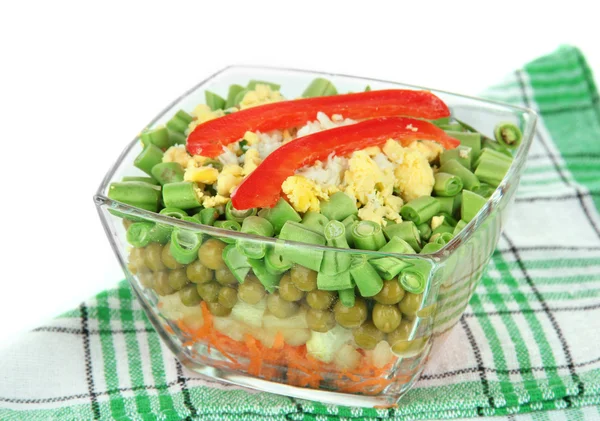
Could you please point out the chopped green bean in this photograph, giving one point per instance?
(207, 216)
(468, 178)
(319, 87)
(388, 267)
(339, 206)
(252, 85)
(462, 154)
(407, 231)
(508, 134)
(228, 225)
(414, 278)
(179, 122)
(237, 263)
(492, 167)
(368, 235)
(257, 226)
(167, 172)
(424, 231)
(365, 277)
(158, 137)
(459, 227)
(185, 243)
(471, 204)
(233, 214)
(148, 158)
(338, 281)
(135, 193)
(214, 101)
(335, 261)
(420, 210)
(304, 256)
(447, 184)
(498, 147)
(347, 297)
(468, 139)
(233, 92)
(148, 180)
(431, 248)
(275, 262)
(267, 279)
(182, 195)
(315, 221)
(348, 224)
(280, 214)
(138, 234)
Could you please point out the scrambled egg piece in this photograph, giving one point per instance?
(231, 176)
(374, 211)
(414, 176)
(372, 151)
(262, 94)
(214, 201)
(206, 175)
(177, 153)
(203, 113)
(436, 221)
(364, 177)
(251, 137)
(251, 160)
(303, 193)
(429, 149)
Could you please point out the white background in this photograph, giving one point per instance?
(78, 81)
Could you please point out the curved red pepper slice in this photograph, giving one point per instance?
(208, 138)
(261, 189)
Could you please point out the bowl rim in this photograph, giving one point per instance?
(531, 118)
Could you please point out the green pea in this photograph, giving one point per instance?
(305, 279)
(152, 257)
(136, 260)
(280, 308)
(217, 309)
(209, 291)
(168, 259)
(320, 300)
(410, 304)
(398, 339)
(225, 277)
(146, 278)
(178, 279)
(227, 297)
(189, 296)
(391, 293)
(198, 273)
(251, 291)
(288, 291)
(386, 317)
(320, 320)
(210, 254)
(368, 336)
(161, 283)
(351, 317)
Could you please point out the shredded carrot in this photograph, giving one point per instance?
(279, 341)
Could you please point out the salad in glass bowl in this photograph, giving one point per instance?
(307, 241)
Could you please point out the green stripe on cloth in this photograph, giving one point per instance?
(523, 349)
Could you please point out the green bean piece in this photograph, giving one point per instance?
(228, 225)
(315, 221)
(252, 85)
(173, 212)
(441, 238)
(367, 88)
(198, 273)
(214, 101)
(348, 224)
(468, 178)
(391, 292)
(407, 231)
(227, 297)
(189, 296)
(135, 193)
(451, 127)
(269, 280)
(449, 205)
(275, 262)
(148, 158)
(209, 291)
(320, 321)
(240, 96)
(305, 256)
(414, 278)
(471, 204)
(347, 297)
(182, 195)
(410, 304)
(236, 262)
(492, 167)
(211, 254)
(462, 154)
(443, 228)
(288, 290)
(148, 180)
(251, 291)
(304, 278)
(424, 231)
(386, 318)
(448, 219)
(319, 87)
(185, 245)
(335, 282)
(233, 214)
(167, 172)
(160, 233)
(420, 210)
(138, 234)
(431, 248)
(207, 216)
(158, 136)
(441, 121)
(179, 122)
(367, 235)
(351, 317)
(468, 139)
(335, 261)
(234, 90)
(388, 267)
(177, 138)
(459, 227)
(508, 134)
(225, 277)
(339, 206)
(214, 163)
(178, 279)
(320, 300)
(280, 214)
(485, 190)
(255, 225)
(368, 336)
(365, 277)
(492, 154)
(495, 146)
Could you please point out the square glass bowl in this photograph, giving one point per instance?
(265, 342)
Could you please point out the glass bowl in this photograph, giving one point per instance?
(252, 347)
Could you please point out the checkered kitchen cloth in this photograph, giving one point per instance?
(528, 346)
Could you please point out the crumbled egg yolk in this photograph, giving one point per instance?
(303, 193)
(364, 177)
(251, 160)
(202, 114)
(429, 149)
(214, 201)
(205, 175)
(262, 94)
(229, 178)
(251, 137)
(436, 221)
(177, 153)
(414, 176)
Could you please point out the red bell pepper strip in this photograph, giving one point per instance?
(208, 138)
(261, 189)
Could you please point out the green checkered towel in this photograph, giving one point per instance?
(528, 346)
